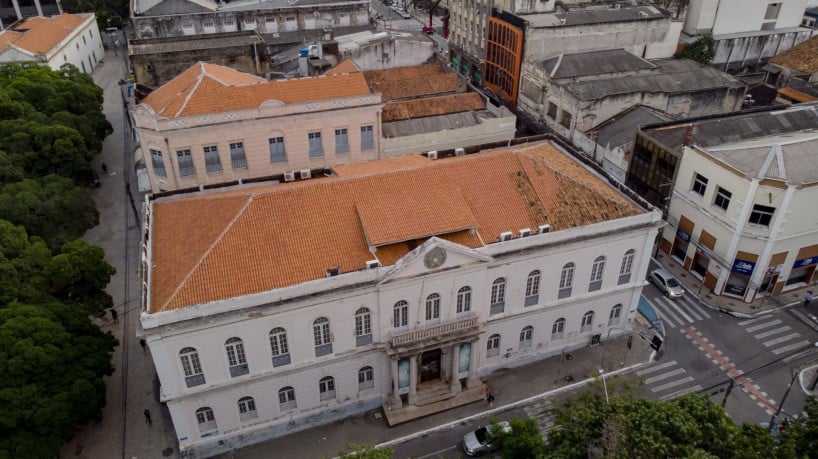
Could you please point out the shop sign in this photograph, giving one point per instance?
(680, 233)
(805, 262)
(743, 267)
(403, 375)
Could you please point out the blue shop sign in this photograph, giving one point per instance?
(805, 262)
(743, 267)
(682, 235)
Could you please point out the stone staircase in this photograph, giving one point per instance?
(432, 398)
(433, 392)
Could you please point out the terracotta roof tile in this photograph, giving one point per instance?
(208, 88)
(432, 106)
(795, 94)
(383, 165)
(221, 245)
(802, 57)
(420, 80)
(39, 35)
(345, 66)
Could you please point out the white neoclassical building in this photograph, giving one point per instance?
(394, 284)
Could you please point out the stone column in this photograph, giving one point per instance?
(396, 401)
(454, 381)
(473, 381)
(413, 379)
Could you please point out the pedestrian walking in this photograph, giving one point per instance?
(104, 168)
(142, 343)
(114, 315)
(808, 299)
(148, 417)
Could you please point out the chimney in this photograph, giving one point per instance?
(688, 136)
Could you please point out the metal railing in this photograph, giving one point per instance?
(438, 330)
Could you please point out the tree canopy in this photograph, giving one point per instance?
(523, 442)
(702, 50)
(356, 451)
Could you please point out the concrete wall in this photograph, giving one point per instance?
(396, 52)
(409, 281)
(254, 128)
(733, 54)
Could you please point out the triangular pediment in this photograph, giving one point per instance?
(434, 255)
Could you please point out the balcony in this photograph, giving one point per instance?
(437, 333)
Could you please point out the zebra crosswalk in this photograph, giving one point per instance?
(541, 411)
(679, 312)
(667, 380)
(774, 334)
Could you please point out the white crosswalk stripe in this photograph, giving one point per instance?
(666, 386)
(791, 347)
(772, 332)
(772, 337)
(764, 325)
(665, 380)
(666, 375)
(754, 320)
(679, 393)
(678, 312)
(541, 411)
(655, 368)
(782, 339)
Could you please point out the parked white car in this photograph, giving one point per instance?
(477, 442)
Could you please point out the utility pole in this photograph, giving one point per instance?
(727, 392)
(783, 399)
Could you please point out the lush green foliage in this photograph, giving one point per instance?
(355, 451)
(109, 12)
(701, 50)
(523, 442)
(691, 426)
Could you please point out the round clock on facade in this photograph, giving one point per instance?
(434, 258)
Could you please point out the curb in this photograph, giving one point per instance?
(450, 425)
(803, 383)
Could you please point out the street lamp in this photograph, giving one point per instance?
(604, 385)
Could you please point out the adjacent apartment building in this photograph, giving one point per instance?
(741, 216)
(54, 41)
(12, 11)
(275, 308)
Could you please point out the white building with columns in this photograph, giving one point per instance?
(394, 284)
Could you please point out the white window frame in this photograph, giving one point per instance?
(699, 184)
(597, 270)
(493, 346)
(525, 336)
(566, 280)
(206, 419)
(238, 159)
(558, 329)
(761, 212)
(278, 150)
(367, 137)
(341, 141)
(587, 324)
(326, 388)
(247, 409)
(724, 196)
(626, 268)
(400, 314)
(211, 156)
(316, 144)
(366, 378)
(286, 398)
(615, 315)
(191, 365)
(363, 322)
(433, 307)
(321, 331)
(464, 300)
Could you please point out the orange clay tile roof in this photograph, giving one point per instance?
(795, 95)
(207, 88)
(380, 166)
(345, 66)
(218, 246)
(404, 82)
(431, 106)
(802, 57)
(39, 35)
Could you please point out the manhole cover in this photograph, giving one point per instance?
(167, 452)
(569, 378)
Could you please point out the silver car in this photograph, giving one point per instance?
(664, 281)
(477, 442)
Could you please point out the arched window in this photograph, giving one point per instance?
(326, 388)
(286, 398)
(525, 337)
(498, 296)
(206, 420)
(236, 359)
(587, 322)
(363, 327)
(532, 288)
(278, 345)
(247, 409)
(433, 307)
(616, 312)
(464, 300)
(626, 267)
(191, 367)
(596, 274)
(321, 336)
(493, 346)
(566, 281)
(400, 314)
(366, 378)
(558, 329)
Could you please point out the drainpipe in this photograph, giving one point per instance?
(172, 164)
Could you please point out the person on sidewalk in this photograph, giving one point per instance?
(115, 315)
(148, 417)
(142, 343)
(808, 299)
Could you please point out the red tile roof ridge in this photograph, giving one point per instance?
(207, 252)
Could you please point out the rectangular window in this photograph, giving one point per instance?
(722, 200)
(212, 162)
(316, 147)
(761, 215)
(565, 120)
(772, 11)
(341, 141)
(237, 158)
(552, 110)
(367, 140)
(158, 163)
(277, 152)
(699, 184)
(185, 160)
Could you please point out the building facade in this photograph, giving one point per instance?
(54, 41)
(496, 259)
(213, 125)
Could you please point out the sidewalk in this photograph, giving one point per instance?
(512, 387)
(735, 307)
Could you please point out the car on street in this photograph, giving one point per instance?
(664, 281)
(477, 442)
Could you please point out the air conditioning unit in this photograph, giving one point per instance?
(542, 229)
(372, 264)
(432, 154)
(506, 236)
(289, 176)
(332, 272)
(525, 232)
(305, 174)
(459, 152)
